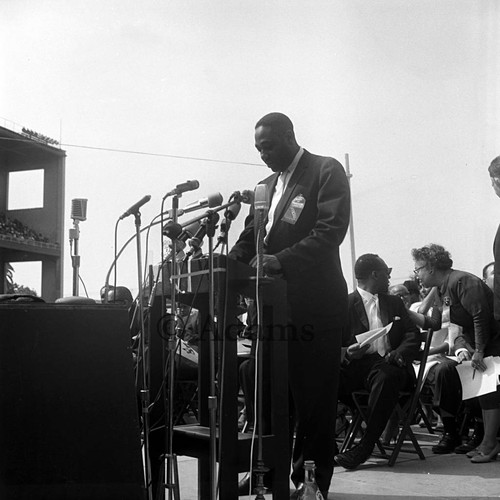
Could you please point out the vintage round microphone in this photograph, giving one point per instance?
(261, 207)
(78, 214)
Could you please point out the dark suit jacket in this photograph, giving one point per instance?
(308, 250)
(404, 336)
(471, 307)
(496, 283)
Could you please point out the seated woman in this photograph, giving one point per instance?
(470, 304)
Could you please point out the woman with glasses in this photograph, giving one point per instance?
(470, 304)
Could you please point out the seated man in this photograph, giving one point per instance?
(384, 367)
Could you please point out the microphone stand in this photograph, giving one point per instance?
(260, 469)
(144, 363)
(212, 398)
(171, 476)
(74, 235)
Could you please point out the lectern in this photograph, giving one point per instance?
(233, 278)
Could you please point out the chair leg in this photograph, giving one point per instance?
(405, 431)
(351, 432)
(425, 418)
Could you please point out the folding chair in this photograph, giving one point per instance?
(407, 407)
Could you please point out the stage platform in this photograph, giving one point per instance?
(448, 476)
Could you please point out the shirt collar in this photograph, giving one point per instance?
(366, 296)
(290, 169)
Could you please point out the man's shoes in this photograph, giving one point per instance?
(244, 486)
(471, 444)
(474, 441)
(354, 457)
(447, 443)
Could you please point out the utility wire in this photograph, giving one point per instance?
(159, 154)
(146, 153)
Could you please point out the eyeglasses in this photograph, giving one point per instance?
(418, 269)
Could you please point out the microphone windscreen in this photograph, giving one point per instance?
(172, 230)
(79, 209)
(214, 200)
(232, 211)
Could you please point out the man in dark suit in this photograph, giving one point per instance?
(307, 221)
(383, 367)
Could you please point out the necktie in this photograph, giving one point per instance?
(373, 316)
(375, 322)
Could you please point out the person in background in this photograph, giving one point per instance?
(188, 324)
(470, 304)
(402, 292)
(414, 290)
(384, 367)
(489, 274)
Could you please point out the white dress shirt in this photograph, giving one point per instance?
(279, 189)
(372, 308)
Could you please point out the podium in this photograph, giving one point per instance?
(234, 448)
(69, 427)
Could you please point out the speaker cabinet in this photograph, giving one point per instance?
(69, 426)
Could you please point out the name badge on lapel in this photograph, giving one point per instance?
(294, 210)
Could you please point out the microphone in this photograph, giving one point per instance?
(229, 215)
(172, 230)
(232, 211)
(135, 207)
(261, 200)
(79, 209)
(213, 200)
(261, 206)
(175, 231)
(196, 240)
(183, 188)
(189, 231)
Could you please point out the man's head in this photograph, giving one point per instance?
(275, 141)
(402, 292)
(413, 287)
(372, 273)
(120, 295)
(489, 274)
(494, 171)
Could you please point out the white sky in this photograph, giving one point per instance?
(409, 89)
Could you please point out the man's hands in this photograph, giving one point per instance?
(354, 351)
(395, 358)
(463, 356)
(270, 264)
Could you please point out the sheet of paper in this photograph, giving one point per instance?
(372, 335)
(476, 383)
